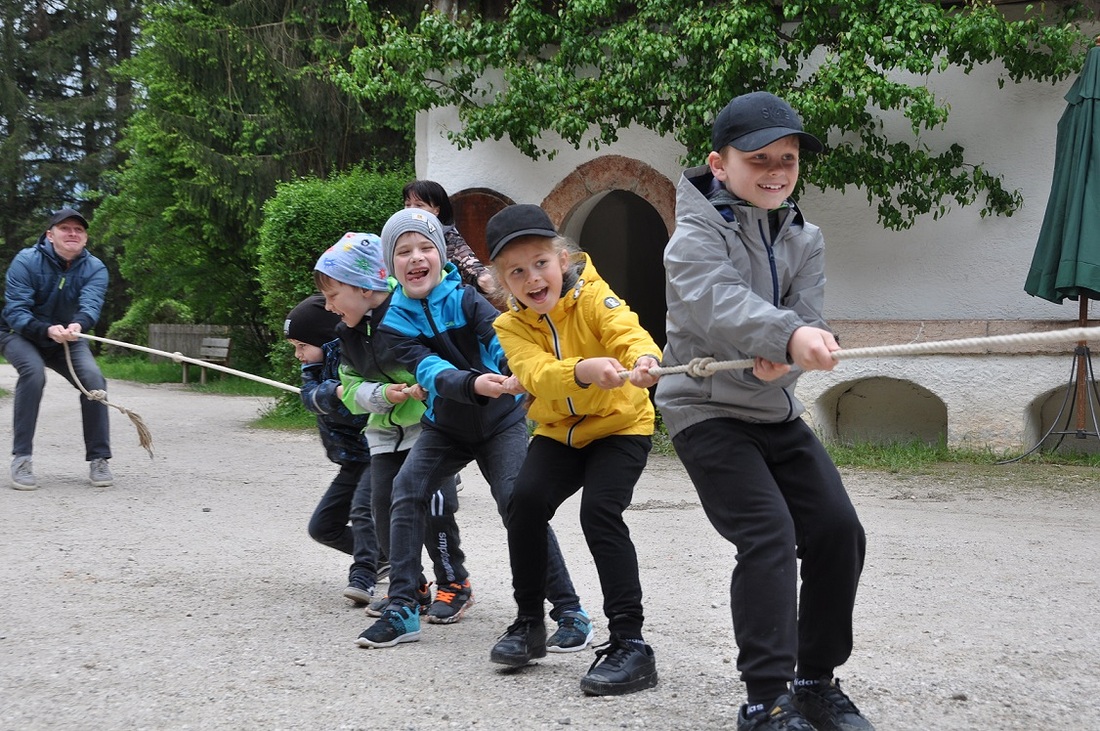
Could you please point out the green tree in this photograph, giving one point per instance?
(587, 68)
(61, 113)
(236, 97)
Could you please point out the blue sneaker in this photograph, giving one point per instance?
(397, 624)
(573, 634)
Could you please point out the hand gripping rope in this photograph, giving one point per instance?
(702, 367)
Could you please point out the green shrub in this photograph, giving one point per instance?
(134, 325)
(304, 218)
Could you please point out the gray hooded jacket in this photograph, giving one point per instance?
(736, 289)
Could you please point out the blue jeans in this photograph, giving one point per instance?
(30, 362)
(436, 456)
(348, 498)
(441, 536)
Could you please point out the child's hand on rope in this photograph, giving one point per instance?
(602, 372)
(494, 385)
(512, 386)
(767, 370)
(640, 376)
(811, 349)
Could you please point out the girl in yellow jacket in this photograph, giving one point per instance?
(568, 338)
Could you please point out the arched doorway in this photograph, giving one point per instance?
(473, 208)
(626, 237)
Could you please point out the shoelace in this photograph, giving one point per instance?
(447, 595)
(616, 653)
(516, 626)
(836, 697)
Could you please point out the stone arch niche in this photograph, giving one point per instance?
(1056, 411)
(621, 211)
(881, 411)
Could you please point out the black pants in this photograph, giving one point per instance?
(608, 469)
(773, 491)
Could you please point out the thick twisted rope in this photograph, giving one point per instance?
(702, 367)
(180, 358)
(145, 437)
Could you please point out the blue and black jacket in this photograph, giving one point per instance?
(341, 431)
(447, 340)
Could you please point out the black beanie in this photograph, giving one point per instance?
(310, 322)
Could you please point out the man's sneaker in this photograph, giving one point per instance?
(383, 573)
(423, 600)
(396, 625)
(523, 642)
(359, 590)
(451, 602)
(100, 474)
(827, 708)
(620, 667)
(782, 716)
(573, 634)
(22, 473)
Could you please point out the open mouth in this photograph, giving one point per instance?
(538, 295)
(772, 187)
(415, 275)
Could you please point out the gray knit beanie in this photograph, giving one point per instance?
(412, 219)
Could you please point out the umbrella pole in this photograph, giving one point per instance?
(1083, 369)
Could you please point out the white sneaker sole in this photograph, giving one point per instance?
(578, 648)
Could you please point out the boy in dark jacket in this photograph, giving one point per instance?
(312, 331)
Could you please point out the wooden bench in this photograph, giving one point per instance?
(212, 350)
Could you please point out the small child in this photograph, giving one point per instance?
(352, 279)
(312, 331)
(442, 332)
(746, 277)
(567, 337)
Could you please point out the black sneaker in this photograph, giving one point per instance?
(828, 709)
(451, 602)
(783, 716)
(396, 625)
(359, 590)
(524, 641)
(620, 667)
(383, 573)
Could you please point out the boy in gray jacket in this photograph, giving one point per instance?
(746, 278)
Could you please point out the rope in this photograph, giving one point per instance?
(145, 437)
(702, 367)
(180, 358)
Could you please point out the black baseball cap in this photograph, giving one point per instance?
(64, 215)
(522, 219)
(756, 120)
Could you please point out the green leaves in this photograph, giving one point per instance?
(582, 70)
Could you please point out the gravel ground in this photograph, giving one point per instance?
(188, 596)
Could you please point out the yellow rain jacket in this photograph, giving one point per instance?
(588, 322)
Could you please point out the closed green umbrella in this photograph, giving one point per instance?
(1067, 256)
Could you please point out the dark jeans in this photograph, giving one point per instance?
(348, 498)
(608, 469)
(441, 536)
(30, 363)
(435, 456)
(773, 491)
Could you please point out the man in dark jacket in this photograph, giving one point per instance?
(53, 291)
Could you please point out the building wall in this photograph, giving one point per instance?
(960, 267)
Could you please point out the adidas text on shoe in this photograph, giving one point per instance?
(782, 716)
(451, 602)
(360, 591)
(22, 473)
(523, 642)
(100, 474)
(827, 708)
(573, 634)
(396, 625)
(620, 667)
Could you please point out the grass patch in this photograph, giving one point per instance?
(918, 456)
(287, 414)
(140, 370)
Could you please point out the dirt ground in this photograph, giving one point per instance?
(188, 596)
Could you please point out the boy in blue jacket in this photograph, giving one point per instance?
(442, 332)
(312, 331)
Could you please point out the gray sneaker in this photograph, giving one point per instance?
(100, 474)
(22, 473)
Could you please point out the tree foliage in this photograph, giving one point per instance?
(235, 99)
(61, 112)
(585, 69)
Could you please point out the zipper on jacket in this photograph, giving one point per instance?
(557, 354)
(771, 262)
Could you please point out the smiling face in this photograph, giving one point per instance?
(764, 177)
(351, 303)
(416, 264)
(68, 238)
(532, 269)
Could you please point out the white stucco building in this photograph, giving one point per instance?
(959, 276)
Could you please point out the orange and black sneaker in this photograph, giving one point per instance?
(451, 602)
